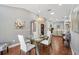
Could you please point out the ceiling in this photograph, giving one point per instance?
(59, 12)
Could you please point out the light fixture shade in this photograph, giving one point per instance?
(40, 19)
(52, 13)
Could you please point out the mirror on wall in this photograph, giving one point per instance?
(38, 26)
(75, 20)
(33, 26)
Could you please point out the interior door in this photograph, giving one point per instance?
(42, 29)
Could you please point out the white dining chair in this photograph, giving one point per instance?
(3, 46)
(25, 46)
(47, 42)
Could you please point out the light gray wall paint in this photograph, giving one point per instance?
(60, 23)
(8, 16)
(75, 42)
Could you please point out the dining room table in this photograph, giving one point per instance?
(37, 41)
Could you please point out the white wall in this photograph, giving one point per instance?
(75, 42)
(60, 31)
(8, 16)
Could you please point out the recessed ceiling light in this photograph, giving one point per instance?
(52, 13)
(56, 19)
(39, 11)
(60, 4)
(65, 17)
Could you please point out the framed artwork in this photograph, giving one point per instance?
(19, 23)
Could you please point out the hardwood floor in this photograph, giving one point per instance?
(56, 49)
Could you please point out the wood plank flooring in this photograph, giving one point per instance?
(56, 49)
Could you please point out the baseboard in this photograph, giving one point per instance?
(14, 45)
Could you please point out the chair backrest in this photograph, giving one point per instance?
(67, 35)
(22, 42)
(49, 35)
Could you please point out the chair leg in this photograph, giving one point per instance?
(1, 52)
(47, 49)
(7, 49)
(35, 51)
(20, 52)
(30, 52)
(51, 45)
